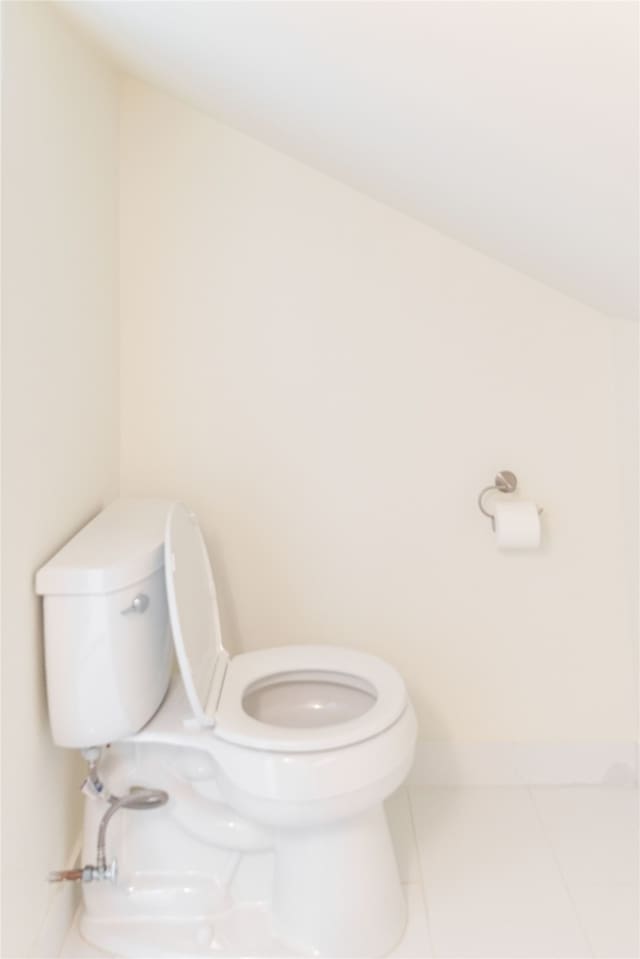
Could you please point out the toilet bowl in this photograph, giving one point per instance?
(277, 762)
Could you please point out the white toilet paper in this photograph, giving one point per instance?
(517, 525)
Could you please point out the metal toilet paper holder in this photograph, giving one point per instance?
(504, 482)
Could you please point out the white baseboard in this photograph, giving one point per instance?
(522, 764)
(63, 903)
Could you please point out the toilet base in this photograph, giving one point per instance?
(244, 931)
(195, 881)
(335, 893)
(337, 890)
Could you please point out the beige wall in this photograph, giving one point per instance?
(60, 408)
(329, 384)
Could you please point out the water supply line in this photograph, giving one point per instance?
(137, 798)
(93, 785)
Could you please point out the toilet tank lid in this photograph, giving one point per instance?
(121, 546)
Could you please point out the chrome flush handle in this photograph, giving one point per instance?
(139, 604)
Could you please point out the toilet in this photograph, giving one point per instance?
(238, 800)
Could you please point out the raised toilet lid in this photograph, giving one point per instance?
(217, 686)
(193, 611)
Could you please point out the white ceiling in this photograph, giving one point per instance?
(512, 126)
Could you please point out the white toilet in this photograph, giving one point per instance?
(276, 763)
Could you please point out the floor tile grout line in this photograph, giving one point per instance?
(565, 881)
(423, 887)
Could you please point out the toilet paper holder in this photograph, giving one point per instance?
(505, 482)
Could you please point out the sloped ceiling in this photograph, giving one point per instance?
(512, 126)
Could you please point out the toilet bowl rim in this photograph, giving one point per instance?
(235, 725)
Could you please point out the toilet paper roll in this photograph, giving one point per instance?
(517, 525)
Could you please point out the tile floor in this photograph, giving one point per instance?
(512, 872)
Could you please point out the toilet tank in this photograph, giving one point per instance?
(107, 640)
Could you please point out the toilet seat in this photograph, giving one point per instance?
(333, 664)
(216, 684)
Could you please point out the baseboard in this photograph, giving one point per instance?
(63, 903)
(518, 764)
